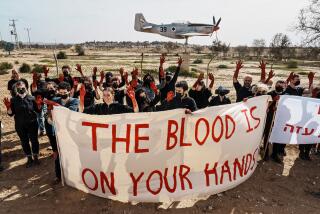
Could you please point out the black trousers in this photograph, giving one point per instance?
(29, 132)
(53, 143)
(305, 149)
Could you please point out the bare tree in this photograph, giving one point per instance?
(198, 49)
(242, 51)
(258, 46)
(219, 47)
(280, 46)
(309, 23)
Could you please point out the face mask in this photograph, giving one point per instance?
(178, 95)
(168, 78)
(279, 89)
(297, 83)
(65, 73)
(51, 93)
(64, 96)
(21, 90)
(222, 93)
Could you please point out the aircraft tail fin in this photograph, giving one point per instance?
(139, 22)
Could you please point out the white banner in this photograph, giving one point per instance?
(160, 156)
(297, 121)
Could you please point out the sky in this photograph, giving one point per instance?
(76, 21)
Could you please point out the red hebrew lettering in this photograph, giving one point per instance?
(225, 169)
(135, 182)
(140, 138)
(172, 134)
(166, 180)
(110, 184)
(221, 129)
(84, 172)
(236, 165)
(209, 172)
(115, 139)
(290, 126)
(154, 192)
(306, 132)
(228, 119)
(298, 129)
(183, 176)
(94, 132)
(196, 133)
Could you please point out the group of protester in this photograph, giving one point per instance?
(31, 105)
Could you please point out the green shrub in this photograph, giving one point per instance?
(80, 50)
(292, 64)
(5, 66)
(37, 68)
(188, 74)
(16, 62)
(198, 61)
(222, 66)
(2, 72)
(25, 68)
(62, 55)
(172, 68)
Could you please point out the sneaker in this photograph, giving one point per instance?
(36, 160)
(29, 162)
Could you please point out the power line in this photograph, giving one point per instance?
(28, 31)
(14, 31)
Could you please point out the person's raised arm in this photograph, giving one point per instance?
(176, 74)
(94, 74)
(8, 105)
(270, 76)
(161, 70)
(131, 94)
(262, 67)
(34, 87)
(79, 69)
(239, 65)
(290, 77)
(211, 78)
(96, 92)
(101, 80)
(197, 82)
(82, 95)
(310, 86)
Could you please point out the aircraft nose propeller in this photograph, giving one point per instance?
(215, 25)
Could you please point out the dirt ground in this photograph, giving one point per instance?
(273, 188)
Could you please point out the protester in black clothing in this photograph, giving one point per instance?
(15, 77)
(24, 107)
(245, 90)
(109, 106)
(221, 98)
(200, 93)
(277, 149)
(295, 89)
(180, 100)
(91, 92)
(167, 81)
(1, 167)
(144, 102)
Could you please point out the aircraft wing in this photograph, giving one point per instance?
(192, 34)
(147, 27)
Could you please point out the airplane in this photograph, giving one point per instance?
(176, 30)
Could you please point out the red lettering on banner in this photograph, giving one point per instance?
(116, 139)
(110, 184)
(248, 163)
(172, 134)
(140, 138)
(166, 182)
(227, 119)
(225, 169)
(250, 129)
(183, 176)
(135, 182)
(84, 172)
(182, 134)
(154, 192)
(236, 165)
(94, 132)
(196, 133)
(209, 172)
(221, 129)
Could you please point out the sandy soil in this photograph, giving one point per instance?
(273, 188)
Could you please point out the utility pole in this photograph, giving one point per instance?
(28, 31)
(14, 31)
